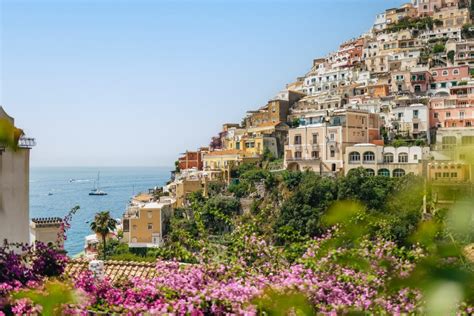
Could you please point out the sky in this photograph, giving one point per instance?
(136, 83)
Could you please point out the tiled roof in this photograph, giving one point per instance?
(47, 220)
(115, 270)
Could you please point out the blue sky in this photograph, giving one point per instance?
(134, 83)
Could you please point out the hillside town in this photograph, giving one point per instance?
(397, 100)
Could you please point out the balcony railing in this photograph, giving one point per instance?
(26, 142)
(302, 159)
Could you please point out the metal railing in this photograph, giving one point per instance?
(26, 142)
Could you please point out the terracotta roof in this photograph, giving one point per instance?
(47, 220)
(115, 270)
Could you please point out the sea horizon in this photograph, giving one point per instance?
(53, 194)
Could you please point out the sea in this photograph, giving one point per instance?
(54, 191)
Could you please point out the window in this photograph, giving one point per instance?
(445, 73)
(435, 114)
(150, 226)
(370, 172)
(315, 154)
(315, 138)
(354, 156)
(397, 173)
(384, 172)
(415, 125)
(402, 157)
(298, 154)
(467, 140)
(415, 157)
(443, 85)
(448, 114)
(454, 174)
(369, 156)
(388, 158)
(333, 153)
(331, 136)
(297, 139)
(415, 113)
(461, 115)
(434, 74)
(456, 72)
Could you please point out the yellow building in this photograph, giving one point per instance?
(224, 160)
(143, 223)
(255, 140)
(187, 186)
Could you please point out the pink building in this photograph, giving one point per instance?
(453, 73)
(447, 77)
(455, 110)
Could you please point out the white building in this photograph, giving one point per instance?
(14, 187)
(386, 161)
(380, 22)
(411, 120)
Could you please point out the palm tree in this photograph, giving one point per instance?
(103, 224)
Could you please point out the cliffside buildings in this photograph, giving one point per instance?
(396, 100)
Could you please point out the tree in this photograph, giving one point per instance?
(438, 48)
(103, 224)
(450, 56)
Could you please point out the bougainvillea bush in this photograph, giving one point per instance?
(320, 282)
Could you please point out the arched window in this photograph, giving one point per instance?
(370, 172)
(354, 156)
(402, 157)
(384, 172)
(387, 157)
(369, 156)
(397, 173)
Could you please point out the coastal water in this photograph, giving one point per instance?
(52, 193)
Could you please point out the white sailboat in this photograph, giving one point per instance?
(96, 190)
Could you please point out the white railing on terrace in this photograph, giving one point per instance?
(26, 142)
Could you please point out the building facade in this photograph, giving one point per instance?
(14, 186)
(386, 161)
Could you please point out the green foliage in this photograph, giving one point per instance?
(103, 225)
(292, 179)
(215, 187)
(300, 214)
(399, 143)
(295, 123)
(423, 23)
(52, 298)
(467, 31)
(268, 156)
(281, 304)
(439, 48)
(176, 166)
(239, 188)
(451, 55)
(9, 134)
(217, 212)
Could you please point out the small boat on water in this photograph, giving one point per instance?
(50, 193)
(96, 190)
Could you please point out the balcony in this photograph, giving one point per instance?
(26, 142)
(311, 159)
